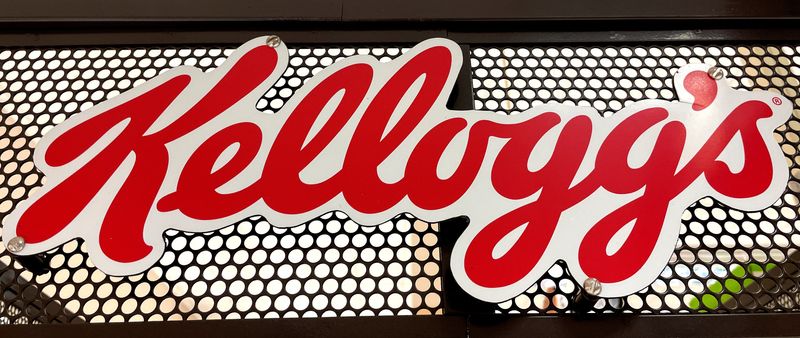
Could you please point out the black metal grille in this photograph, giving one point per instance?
(725, 260)
(325, 268)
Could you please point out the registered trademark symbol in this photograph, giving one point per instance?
(777, 100)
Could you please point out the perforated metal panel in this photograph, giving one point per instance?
(724, 261)
(328, 267)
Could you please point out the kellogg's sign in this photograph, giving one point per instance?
(187, 150)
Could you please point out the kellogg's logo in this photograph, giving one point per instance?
(187, 150)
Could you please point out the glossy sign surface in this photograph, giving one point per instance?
(188, 151)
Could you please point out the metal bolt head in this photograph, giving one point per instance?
(592, 286)
(716, 73)
(15, 244)
(273, 41)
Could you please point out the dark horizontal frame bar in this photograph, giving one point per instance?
(98, 22)
(370, 10)
(97, 37)
(733, 325)
(716, 325)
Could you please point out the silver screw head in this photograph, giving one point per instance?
(15, 244)
(592, 286)
(716, 73)
(273, 41)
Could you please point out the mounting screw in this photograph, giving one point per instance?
(16, 244)
(273, 41)
(592, 286)
(716, 73)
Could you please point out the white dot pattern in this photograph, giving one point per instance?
(328, 267)
(724, 261)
